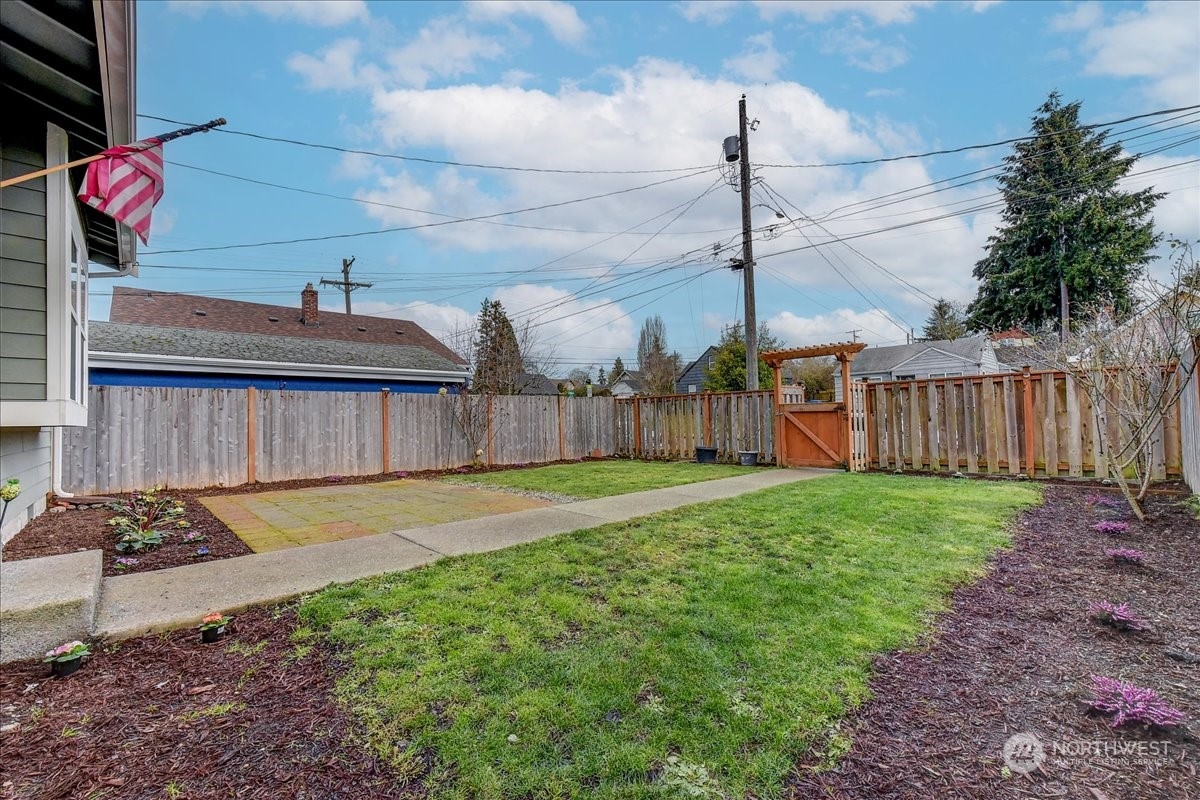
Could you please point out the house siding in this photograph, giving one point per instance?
(24, 455)
(23, 267)
(934, 361)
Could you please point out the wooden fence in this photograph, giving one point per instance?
(672, 426)
(1038, 423)
(1189, 422)
(139, 437)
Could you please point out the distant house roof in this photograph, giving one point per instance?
(1011, 333)
(170, 309)
(883, 359)
(109, 338)
(631, 378)
(536, 384)
(693, 373)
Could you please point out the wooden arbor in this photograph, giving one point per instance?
(814, 434)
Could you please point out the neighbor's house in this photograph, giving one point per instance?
(170, 339)
(970, 355)
(68, 92)
(628, 384)
(691, 380)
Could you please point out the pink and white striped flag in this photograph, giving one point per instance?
(126, 184)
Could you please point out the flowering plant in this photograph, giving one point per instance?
(1126, 555)
(194, 536)
(1108, 526)
(67, 652)
(1128, 702)
(125, 562)
(1120, 617)
(1104, 501)
(142, 520)
(10, 490)
(201, 552)
(214, 620)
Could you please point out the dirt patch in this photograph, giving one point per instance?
(1016, 654)
(73, 530)
(169, 717)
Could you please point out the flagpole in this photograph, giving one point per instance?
(166, 137)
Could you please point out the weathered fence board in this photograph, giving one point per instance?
(673, 426)
(1043, 424)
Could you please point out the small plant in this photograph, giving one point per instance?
(67, 652)
(125, 562)
(401, 474)
(214, 621)
(8, 493)
(144, 519)
(1105, 501)
(1124, 555)
(689, 780)
(191, 537)
(1128, 702)
(1109, 526)
(201, 552)
(1192, 504)
(1120, 617)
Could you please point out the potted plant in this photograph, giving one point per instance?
(212, 627)
(66, 658)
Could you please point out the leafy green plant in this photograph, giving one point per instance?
(67, 652)
(145, 519)
(688, 779)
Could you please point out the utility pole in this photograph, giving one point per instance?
(854, 334)
(1064, 297)
(345, 284)
(747, 253)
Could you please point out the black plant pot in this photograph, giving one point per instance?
(706, 455)
(210, 635)
(61, 669)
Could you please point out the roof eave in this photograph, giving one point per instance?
(116, 23)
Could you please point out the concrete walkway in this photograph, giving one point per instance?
(130, 605)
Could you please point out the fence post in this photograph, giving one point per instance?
(490, 432)
(637, 427)
(708, 425)
(385, 424)
(1027, 385)
(251, 432)
(562, 429)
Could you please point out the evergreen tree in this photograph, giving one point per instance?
(658, 367)
(728, 370)
(1065, 219)
(498, 364)
(617, 370)
(602, 377)
(944, 322)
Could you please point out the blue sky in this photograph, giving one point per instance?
(610, 94)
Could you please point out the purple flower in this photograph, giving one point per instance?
(193, 537)
(402, 474)
(124, 562)
(1128, 702)
(1120, 617)
(201, 552)
(1108, 526)
(1126, 556)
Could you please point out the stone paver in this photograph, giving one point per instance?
(272, 521)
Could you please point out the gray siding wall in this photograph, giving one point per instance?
(25, 455)
(23, 267)
(934, 361)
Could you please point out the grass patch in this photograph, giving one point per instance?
(697, 650)
(214, 711)
(591, 479)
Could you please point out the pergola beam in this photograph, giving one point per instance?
(841, 349)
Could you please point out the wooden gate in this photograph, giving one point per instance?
(821, 434)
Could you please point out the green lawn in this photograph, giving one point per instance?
(604, 478)
(704, 647)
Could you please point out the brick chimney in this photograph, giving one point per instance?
(308, 306)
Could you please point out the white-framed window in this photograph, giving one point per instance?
(65, 402)
(945, 374)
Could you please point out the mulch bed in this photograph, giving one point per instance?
(1016, 654)
(86, 528)
(151, 717)
(166, 716)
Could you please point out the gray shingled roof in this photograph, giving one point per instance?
(883, 359)
(112, 337)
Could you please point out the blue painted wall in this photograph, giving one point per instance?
(122, 377)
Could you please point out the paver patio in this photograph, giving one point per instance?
(270, 521)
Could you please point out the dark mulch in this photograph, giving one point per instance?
(76, 529)
(1016, 654)
(165, 716)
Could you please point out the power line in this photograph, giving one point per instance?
(430, 224)
(439, 162)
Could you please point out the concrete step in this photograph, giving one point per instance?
(45, 602)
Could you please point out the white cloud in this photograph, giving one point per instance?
(560, 18)
(760, 62)
(1081, 17)
(836, 326)
(164, 220)
(881, 12)
(712, 12)
(559, 319)
(440, 319)
(979, 6)
(1175, 215)
(334, 67)
(885, 93)
(443, 49)
(860, 51)
(1156, 43)
(326, 13)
